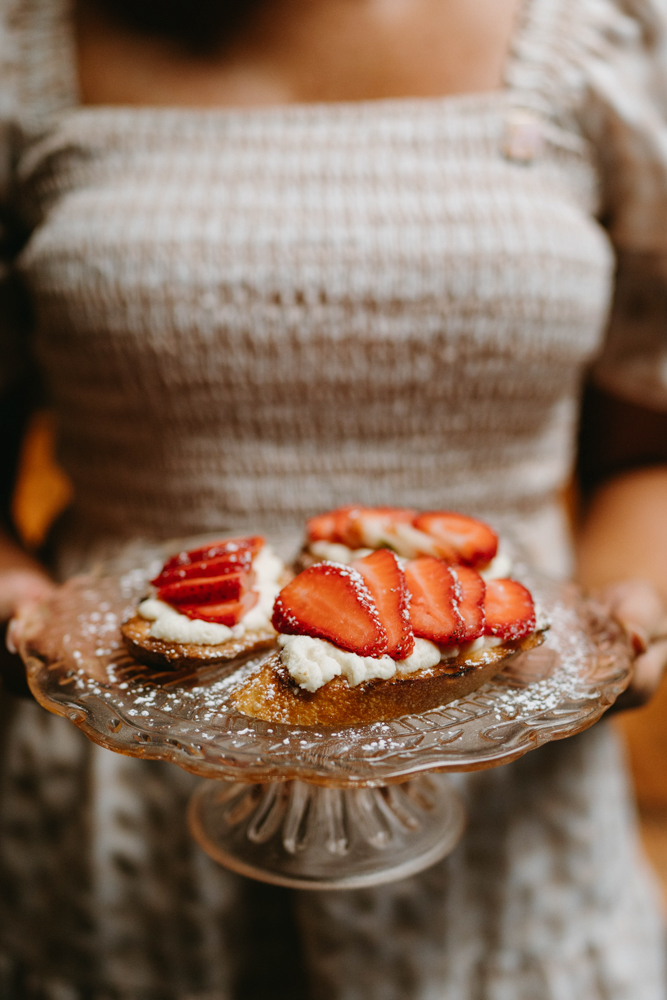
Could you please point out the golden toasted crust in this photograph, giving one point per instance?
(176, 655)
(272, 695)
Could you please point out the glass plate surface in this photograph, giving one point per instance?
(78, 667)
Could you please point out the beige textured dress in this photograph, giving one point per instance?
(247, 316)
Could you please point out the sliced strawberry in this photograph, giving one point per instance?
(509, 609)
(228, 546)
(330, 601)
(433, 600)
(386, 581)
(207, 590)
(358, 527)
(459, 538)
(471, 602)
(229, 613)
(232, 562)
(373, 527)
(329, 527)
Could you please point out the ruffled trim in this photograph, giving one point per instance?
(625, 116)
(598, 68)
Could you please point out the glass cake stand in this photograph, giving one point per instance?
(313, 807)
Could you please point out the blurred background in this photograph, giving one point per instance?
(43, 491)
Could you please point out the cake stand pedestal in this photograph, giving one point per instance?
(309, 836)
(312, 807)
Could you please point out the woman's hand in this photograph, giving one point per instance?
(20, 590)
(638, 606)
(23, 584)
(624, 538)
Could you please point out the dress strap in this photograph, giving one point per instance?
(540, 72)
(544, 78)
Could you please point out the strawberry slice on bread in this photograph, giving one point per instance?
(201, 594)
(459, 538)
(232, 562)
(454, 537)
(357, 527)
(386, 581)
(509, 610)
(228, 547)
(207, 589)
(434, 598)
(330, 527)
(227, 613)
(360, 609)
(472, 590)
(332, 602)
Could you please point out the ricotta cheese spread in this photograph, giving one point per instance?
(312, 663)
(170, 625)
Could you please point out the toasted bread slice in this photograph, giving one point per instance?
(272, 695)
(176, 655)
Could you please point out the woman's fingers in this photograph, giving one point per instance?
(20, 591)
(638, 606)
(649, 671)
(22, 586)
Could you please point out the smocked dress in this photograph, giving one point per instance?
(244, 317)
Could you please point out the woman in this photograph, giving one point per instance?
(287, 254)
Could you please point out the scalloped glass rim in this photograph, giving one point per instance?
(79, 668)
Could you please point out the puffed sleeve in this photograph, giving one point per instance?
(625, 115)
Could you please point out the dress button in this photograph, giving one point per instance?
(524, 136)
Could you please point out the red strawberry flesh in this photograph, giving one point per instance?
(233, 562)
(331, 602)
(213, 550)
(329, 527)
(228, 613)
(509, 610)
(386, 581)
(460, 538)
(433, 600)
(471, 602)
(207, 590)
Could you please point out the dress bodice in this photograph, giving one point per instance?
(246, 318)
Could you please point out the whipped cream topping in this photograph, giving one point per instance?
(500, 566)
(312, 663)
(335, 552)
(170, 625)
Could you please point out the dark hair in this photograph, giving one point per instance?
(201, 26)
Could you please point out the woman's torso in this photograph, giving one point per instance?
(248, 315)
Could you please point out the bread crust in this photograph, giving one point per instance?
(178, 656)
(272, 695)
